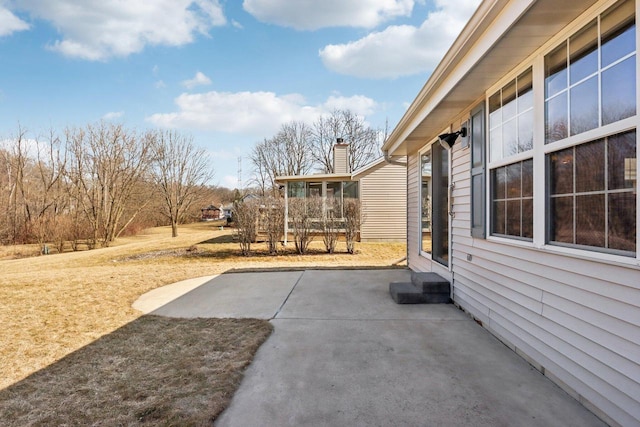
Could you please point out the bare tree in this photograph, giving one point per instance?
(287, 153)
(179, 170)
(16, 215)
(107, 162)
(364, 144)
(49, 194)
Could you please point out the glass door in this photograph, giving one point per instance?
(440, 203)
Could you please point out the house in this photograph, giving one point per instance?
(380, 186)
(522, 188)
(211, 213)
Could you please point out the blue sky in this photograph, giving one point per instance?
(229, 73)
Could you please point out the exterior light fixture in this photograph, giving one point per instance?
(448, 139)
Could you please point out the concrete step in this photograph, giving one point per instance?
(405, 293)
(430, 283)
(424, 288)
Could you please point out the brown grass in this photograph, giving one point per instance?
(79, 305)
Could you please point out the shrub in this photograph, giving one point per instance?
(245, 215)
(272, 222)
(352, 222)
(302, 212)
(330, 225)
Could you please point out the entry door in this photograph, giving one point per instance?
(440, 230)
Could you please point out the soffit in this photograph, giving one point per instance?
(479, 66)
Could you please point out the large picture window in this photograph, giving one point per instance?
(592, 194)
(590, 79)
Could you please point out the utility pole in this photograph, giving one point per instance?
(240, 174)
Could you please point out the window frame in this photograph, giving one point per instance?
(541, 149)
(421, 152)
(492, 165)
(599, 132)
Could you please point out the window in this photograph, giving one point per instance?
(295, 189)
(592, 194)
(314, 189)
(350, 189)
(425, 202)
(512, 200)
(591, 186)
(511, 134)
(590, 79)
(511, 118)
(334, 199)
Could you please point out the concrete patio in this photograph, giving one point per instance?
(344, 354)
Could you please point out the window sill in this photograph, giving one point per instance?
(599, 257)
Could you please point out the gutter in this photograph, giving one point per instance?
(388, 159)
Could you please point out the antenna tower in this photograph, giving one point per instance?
(240, 173)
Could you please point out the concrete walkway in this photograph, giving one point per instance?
(344, 354)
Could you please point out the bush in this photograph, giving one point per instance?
(245, 216)
(330, 225)
(272, 222)
(352, 222)
(302, 213)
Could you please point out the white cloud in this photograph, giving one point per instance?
(403, 49)
(198, 80)
(236, 24)
(10, 23)
(101, 29)
(314, 14)
(113, 115)
(255, 114)
(160, 84)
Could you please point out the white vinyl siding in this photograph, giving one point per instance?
(384, 204)
(574, 318)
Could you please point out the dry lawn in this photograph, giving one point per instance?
(71, 346)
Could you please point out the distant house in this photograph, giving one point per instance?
(522, 188)
(380, 186)
(227, 210)
(211, 213)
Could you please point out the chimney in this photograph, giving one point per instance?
(341, 157)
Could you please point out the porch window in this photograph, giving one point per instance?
(350, 189)
(314, 189)
(295, 189)
(590, 79)
(334, 199)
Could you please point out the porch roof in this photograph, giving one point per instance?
(314, 178)
(500, 35)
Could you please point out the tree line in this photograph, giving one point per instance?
(92, 183)
(299, 148)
